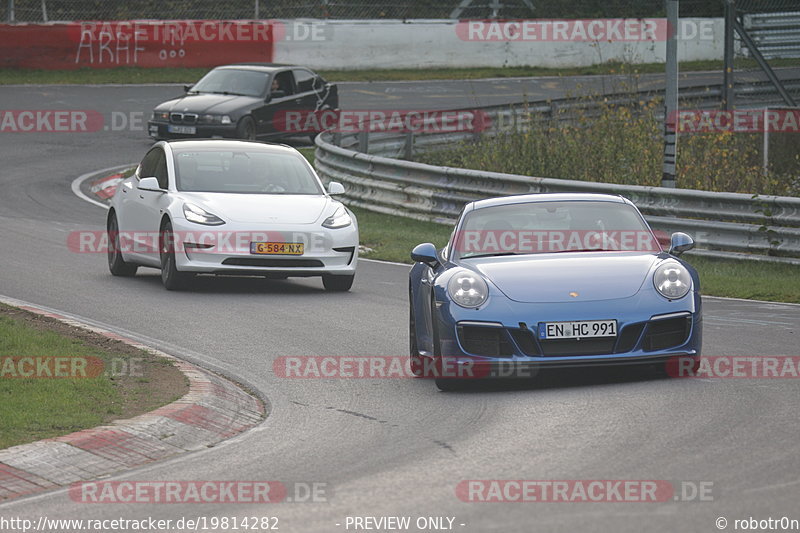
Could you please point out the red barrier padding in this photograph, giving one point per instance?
(168, 43)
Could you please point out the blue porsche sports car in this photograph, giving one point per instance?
(550, 280)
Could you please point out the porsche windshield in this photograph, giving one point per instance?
(254, 172)
(232, 81)
(552, 227)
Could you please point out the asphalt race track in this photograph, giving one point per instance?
(392, 447)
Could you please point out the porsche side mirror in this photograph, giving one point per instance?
(679, 243)
(425, 253)
(335, 188)
(149, 184)
(187, 88)
(277, 94)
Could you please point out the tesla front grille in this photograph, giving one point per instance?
(274, 263)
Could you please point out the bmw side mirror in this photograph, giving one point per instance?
(149, 184)
(425, 253)
(680, 242)
(335, 188)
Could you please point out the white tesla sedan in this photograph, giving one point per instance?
(230, 208)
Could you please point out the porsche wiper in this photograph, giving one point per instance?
(584, 250)
(495, 254)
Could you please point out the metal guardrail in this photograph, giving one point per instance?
(765, 228)
(776, 34)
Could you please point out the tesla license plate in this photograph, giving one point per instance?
(186, 130)
(276, 248)
(577, 330)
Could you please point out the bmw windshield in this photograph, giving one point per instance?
(233, 82)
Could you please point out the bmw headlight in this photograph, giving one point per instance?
(339, 219)
(672, 280)
(215, 119)
(199, 215)
(467, 289)
(160, 115)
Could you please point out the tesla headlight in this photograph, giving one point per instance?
(339, 219)
(672, 280)
(160, 115)
(199, 215)
(467, 289)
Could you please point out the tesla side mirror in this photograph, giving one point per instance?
(335, 188)
(149, 184)
(679, 243)
(425, 253)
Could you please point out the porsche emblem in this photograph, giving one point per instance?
(573, 294)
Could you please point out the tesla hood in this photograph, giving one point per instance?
(262, 208)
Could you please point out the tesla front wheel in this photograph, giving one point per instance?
(171, 277)
(116, 264)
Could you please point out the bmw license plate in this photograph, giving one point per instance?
(276, 248)
(185, 130)
(577, 330)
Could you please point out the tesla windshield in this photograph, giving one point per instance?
(232, 81)
(254, 172)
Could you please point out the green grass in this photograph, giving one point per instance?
(191, 75)
(37, 408)
(748, 279)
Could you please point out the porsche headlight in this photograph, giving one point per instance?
(467, 289)
(339, 219)
(672, 280)
(199, 215)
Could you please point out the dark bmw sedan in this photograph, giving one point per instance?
(246, 101)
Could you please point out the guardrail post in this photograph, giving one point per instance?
(10, 10)
(671, 97)
(408, 147)
(363, 141)
(337, 138)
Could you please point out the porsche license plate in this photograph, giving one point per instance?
(276, 248)
(185, 130)
(577, 330)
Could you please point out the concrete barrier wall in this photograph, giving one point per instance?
(353, 44)
(439, 43)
